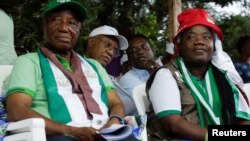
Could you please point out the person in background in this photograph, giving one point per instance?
(73, 95)
(166, 58)
(8, 8)
(104, 44)
(242, 65)
(127, 29)
(192, 92)
(141, 56)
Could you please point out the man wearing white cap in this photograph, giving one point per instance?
(104, 44)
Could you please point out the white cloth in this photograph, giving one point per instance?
(158, 60)
(124, 58)
(221, 60)
(75, 107)
(170, 48)
(7, 50)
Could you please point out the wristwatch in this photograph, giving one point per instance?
(121, 119)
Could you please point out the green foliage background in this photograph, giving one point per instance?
(148, 17)
(233, 28)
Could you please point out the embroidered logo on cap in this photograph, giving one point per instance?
(63, 1)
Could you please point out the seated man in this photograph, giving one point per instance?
(141, 56)
(192, 92)
(104, 44)
(73, 95)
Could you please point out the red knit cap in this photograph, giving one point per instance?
(192, 17)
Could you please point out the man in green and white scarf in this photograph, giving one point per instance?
(195, 90)
(74, 95)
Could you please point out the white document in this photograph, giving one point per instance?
(116, 132)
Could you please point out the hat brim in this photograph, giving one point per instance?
(72, 5)
(123, 43)
(211, 26)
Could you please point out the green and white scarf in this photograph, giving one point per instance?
(64, 105)
(207, 96)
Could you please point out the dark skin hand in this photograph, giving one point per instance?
(183, 128)
(22, 103)
(117, 108)
(150, 65)
(87, 133)
(179, 126)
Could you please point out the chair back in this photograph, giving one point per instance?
(32, 129)
(141, 99)
(5, 71)
(142, 104)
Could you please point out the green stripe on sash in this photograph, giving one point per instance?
(198, 104)
(104, 96)
(210, 115)
(57, 107)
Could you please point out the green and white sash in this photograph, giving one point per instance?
(64, 105)
(242, 108)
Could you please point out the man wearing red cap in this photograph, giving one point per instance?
(193, 91)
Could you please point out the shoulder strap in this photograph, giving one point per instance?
(171, 66)
(151, 79)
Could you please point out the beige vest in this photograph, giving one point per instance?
(154, 127)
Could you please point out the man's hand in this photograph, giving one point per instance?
(150, 65)
(84, 133)
(116, 108)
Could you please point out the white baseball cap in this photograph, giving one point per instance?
(108, 30)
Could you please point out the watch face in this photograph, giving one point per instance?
(122, 121)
